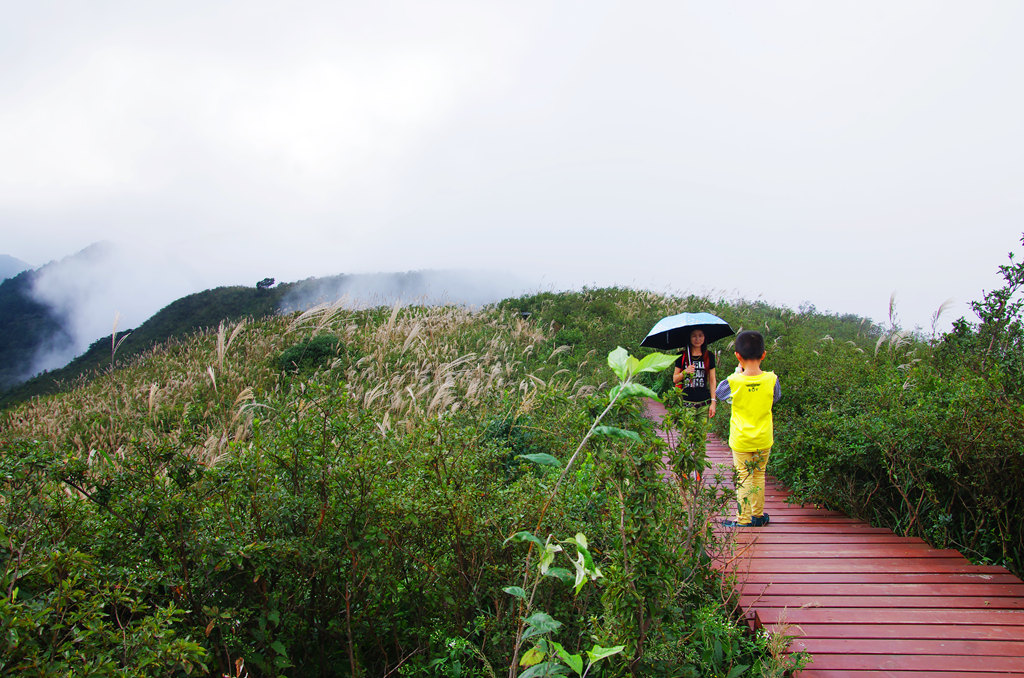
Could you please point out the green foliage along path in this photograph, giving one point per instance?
(221, 505)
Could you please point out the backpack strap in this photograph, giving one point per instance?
(687, 358)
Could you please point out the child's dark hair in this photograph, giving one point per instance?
(750, 345)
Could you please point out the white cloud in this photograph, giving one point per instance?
(858, 148)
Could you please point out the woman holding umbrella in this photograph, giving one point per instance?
(695, 373)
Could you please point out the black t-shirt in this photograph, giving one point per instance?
(696, 387)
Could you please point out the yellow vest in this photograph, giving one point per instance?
(750, 428)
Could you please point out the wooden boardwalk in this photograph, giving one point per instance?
(866, 602)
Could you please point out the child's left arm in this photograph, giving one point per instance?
(777, 393)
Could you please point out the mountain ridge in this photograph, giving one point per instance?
(11, 266)
(41, 326)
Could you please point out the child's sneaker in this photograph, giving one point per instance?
(759, 521)
(733, 523)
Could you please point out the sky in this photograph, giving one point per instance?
(802, 152)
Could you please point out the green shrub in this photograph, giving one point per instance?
(312, 354)
(354, 522)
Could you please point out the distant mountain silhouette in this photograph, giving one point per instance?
(27, 326)
(30, 326)
(10, 267)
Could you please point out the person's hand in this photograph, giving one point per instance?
(711, 410)
(690, 369)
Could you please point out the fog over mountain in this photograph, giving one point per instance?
(86, 296)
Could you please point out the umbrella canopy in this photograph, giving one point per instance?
(674, 331)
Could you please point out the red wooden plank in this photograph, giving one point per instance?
(912, 646)
(930, 631)
(798, 513)
(759, 550)
(786, 519)
(795, 565)
(847, 673)
(772, 537)
(877, 578)
(859, 615)
(932, 664)
(777, 527)
(869, 589)
(941, 603)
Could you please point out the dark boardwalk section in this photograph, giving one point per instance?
(865, 602)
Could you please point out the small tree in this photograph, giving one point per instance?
(1000, 311)
(265, 284)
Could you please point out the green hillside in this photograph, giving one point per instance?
(177, 320)
(436, 491)
(26, 325)
(332, 493)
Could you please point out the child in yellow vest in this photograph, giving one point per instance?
(751, 432)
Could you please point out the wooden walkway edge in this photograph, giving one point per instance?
(866, 602)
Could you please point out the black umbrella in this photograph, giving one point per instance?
(674, 331)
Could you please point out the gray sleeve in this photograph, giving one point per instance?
(723, 392)
(778, 391)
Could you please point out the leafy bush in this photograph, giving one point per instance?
(311, 354)
(66, 611)
(352, 519)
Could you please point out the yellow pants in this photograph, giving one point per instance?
(750, 483)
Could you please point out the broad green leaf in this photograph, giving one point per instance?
(540, 623)
(541, 458)
(561, 573)
(630, 390)
(656, 362)
(617, 433)
(598, 653)
(516, 591)
(584, 565)
(588, 562)
(574, 661)
(581, 573)
(582, 549)
(533, 656)
(548, 557)
(525, 536)
(279, 648)
(738, 670)
(617, 361)
(545, 669)
(631, 365)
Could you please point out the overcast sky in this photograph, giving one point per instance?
(829, 152)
